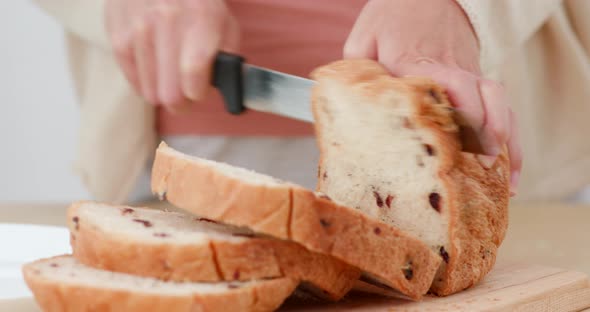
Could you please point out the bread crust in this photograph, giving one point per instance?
(209, 260)
(211, 194)
(381, 250)
(54, 295)
(478, 196)
(288, 211)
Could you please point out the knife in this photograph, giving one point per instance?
(243, 85)
(247, 86)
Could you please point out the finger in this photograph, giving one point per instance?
(360, 49)
(126, 60)
(200, 45)
(463, 92)
(497, 116)
(123, 51)
(146, 59)
(231, 38)
(117, 19)
(167, 43)
(120, 36)
(359, 44)
(515, 153)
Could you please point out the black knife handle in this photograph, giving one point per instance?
(227, 77)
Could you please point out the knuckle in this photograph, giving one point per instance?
(165, 11)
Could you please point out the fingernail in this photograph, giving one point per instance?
(494, 150)
(190, 94)
(514, 179)
(486, 161)
(192, 88)
(181, 107)
(196, 92)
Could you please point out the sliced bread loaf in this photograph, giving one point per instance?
(266, 205)
(390, 149)
(63, 284)
(179, 247)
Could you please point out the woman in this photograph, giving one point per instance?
(160, 52)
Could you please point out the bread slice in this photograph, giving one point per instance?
(179, 247)
(63, 284)
(389, 147)
(266, 205)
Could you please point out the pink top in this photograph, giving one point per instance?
(292, 36)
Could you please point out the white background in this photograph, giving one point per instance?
(38, 112)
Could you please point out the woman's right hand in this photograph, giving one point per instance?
(166, 47)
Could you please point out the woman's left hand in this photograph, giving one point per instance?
(435, 39)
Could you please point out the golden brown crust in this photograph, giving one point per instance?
(478, 196)
(387, 254)
(302, 218)
(212, 260)
(201, 189)
(52, 295)
(479, 222)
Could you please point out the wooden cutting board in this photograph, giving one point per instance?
(509, 287)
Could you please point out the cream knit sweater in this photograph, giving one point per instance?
(539, 49)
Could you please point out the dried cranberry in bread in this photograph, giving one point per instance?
(63, 284)
(179, 247)
(389, 148)
(266, 205)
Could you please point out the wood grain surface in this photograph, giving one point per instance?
(509, 287)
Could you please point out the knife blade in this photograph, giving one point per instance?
(248, 86)
(270, 91)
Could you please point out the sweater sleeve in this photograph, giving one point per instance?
(504, 25)
(84, 18)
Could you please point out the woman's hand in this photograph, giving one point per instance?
(435, 39)
(166, 47)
